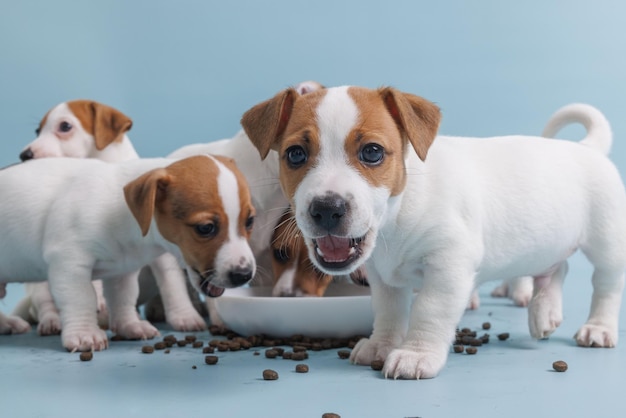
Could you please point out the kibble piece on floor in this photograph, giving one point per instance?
(194, 367)
(167, 351)
(170, 338)
(344, 354)
(299, 356)
(458, 348)
(210, 359)
(147, 349)
(269, 374)
(471, 350)
(486, 325)
(190, 338)
(503, 336)
(271, 353)
(197, 344)
(331, 415)
(559, 366)
(208, 350)
(287, 355)
(377, 364)
(302, 368)
(160, 345)
(86, 356)
(182, 343)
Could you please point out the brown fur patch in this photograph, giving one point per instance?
(105, 123)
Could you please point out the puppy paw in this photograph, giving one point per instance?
(544, 317)
(135, 330)
(49, 324)
(409, 364)
(369, 349)
(521, 291)
(84, 338)
(186, 321)
(501, 291)
(13, 325)
(590, 335)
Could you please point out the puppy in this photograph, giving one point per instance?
(88, 129)
(353, 163)
(72, 220)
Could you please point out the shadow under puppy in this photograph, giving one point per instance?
(74, 220)
(88, 129)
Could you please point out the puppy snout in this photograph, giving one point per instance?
(328, 211)
(240, 276)
(27, 154)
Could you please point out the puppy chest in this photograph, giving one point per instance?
(124, 261)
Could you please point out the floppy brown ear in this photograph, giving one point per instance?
(141, 196)
(266, 122)
(109, 124)
(417, 118)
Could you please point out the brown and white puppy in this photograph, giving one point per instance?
(89, 129)
(369, 183)
(114, 218)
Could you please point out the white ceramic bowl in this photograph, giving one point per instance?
(344, 311)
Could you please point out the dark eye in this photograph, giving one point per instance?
(65, 126)
(249, 222)
(296, 156)
(280, 255)
(372, 154)
(206, 230)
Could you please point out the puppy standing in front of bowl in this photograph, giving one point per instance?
(368, 184)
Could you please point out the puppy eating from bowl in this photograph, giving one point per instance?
(368, 185)
(74, 220)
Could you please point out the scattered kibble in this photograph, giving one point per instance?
(271, 353)
(210, 359)
(331, 415)
(147, 349)
(160, 345)
(86, 356)
(194, 367)
(471, 350)
(458, 348)
(190, 338)
(302, 368)
(559, 366)
(343, 354)
(486, 325)
(269, 374)
(377, 364)
(504, 336)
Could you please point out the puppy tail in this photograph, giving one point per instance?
(599, 135)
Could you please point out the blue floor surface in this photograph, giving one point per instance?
(512, 378)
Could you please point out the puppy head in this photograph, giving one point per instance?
(77, 129)
(294, 274)
(202, 204)
(342, 154)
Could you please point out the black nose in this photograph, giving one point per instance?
(27, 154)
(327, 211)
(240, 276)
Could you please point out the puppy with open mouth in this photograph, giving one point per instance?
(369, 183)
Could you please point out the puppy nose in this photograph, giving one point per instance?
(327, 211)
(27, 154)
(240, 276)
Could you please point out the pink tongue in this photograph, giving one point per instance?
(215, 291)
(334, 249)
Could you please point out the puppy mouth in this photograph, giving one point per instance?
(336, 253)
(206, 287)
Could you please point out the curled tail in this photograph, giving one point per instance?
(599, 135)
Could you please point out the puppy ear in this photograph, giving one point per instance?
(109, 124)
(142, 193)
(417, 118)
(266, 122)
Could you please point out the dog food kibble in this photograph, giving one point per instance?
(485, 339)
(504, 336)
(147, 349)
(344, 354)
(271, 353)
(190, 338)
(299, 356)
(269, 374)
(197, 344)
(194, 367)
(486, 325)
(559, 366)
(279, 350)
(287, 355)
(471, 350)
(214, 343)
(182, 343)
(458, 348)
(86, 356)
(208, 350)
(234, 346)
(475, 342)
(302, 368)
(160, 345)
(377, 364)
(256, 353)
(223, 347)
(210, 359)
(167, 351)
(331, 415)
(298, 348)
(170, 338)
(117, 337)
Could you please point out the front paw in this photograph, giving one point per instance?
(370, 349)
(409, 364)
(13, 325)
(186, 321)
(593, 335)
(49, 324)
(84, 338)
(135, 330)
(545, 314)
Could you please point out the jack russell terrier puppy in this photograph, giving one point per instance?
(88, 129)
(366, 186)
(73, 220)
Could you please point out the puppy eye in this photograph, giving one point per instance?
(206, 230)
(280, 255)
(296, 156)
(372, 154)
(65, 126)
(249, 222)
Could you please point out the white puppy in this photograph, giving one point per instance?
(354, 166)
(72, 220)
(88, 129)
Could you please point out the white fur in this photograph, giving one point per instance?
(477, 210)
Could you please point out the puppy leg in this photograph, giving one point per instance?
(391, 307)
(103, 311)
(13, 325)
(518, 289)
(474, 302)
(601, 328)
(121, 295)
(43, 308)
(179, 312)
(73, 293)
(545, 310)
(435, 314)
